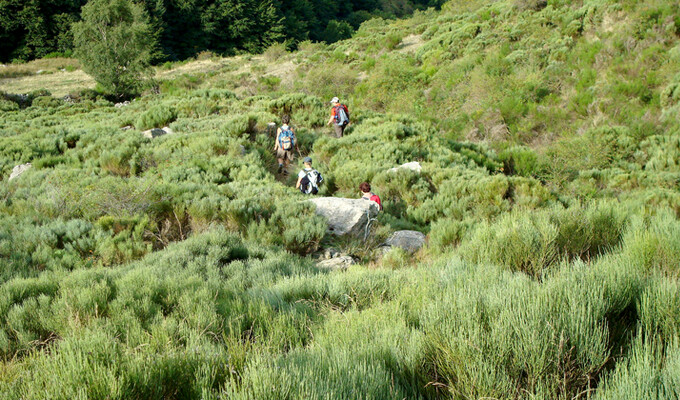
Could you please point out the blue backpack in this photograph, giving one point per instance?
(287, 139)
(341, 116)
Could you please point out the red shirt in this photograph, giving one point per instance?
(374, 197)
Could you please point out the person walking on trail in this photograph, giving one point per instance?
(366, 194)
(309, 179)
(286, 142)
(339, 117)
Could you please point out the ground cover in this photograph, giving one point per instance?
(183, 266)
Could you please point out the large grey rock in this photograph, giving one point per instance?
(410, 241)
(345, 216)
(18, 170)
(337, 263)
(413, 166)
(153, 133)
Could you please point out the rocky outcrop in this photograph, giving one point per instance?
(345, 216)
(156, 132)
(18, 170)
(410, 241)
(337, 263)
(413, 166)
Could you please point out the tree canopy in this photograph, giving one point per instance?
(114, 42)
(34, 28)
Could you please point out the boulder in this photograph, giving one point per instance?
(413, 166)
(411, 241)
(337, 263)
(154, 133)
(167, 130)
(18, 170)
(345, 216)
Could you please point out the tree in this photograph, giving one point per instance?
(115, 44)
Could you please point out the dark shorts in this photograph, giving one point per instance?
(339, 130)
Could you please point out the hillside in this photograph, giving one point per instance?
(184, 266)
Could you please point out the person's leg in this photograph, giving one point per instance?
(287, 160)
(280, 157)
(338, 130)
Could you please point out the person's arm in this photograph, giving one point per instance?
(330, 121)
(297, 185)
(276, 144)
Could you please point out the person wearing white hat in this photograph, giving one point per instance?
(339, 117)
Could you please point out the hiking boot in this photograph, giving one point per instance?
(278, 171)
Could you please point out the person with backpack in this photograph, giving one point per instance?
(309, 179)
(366, 194)
(339, 117)
(286, 142)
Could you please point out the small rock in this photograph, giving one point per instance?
(123, 104)
(243, 149)
(126, 127)
(40, 71)
(19, 169)
(411, 241)
(413, 166)
(153, 133)
(337, 263)
(331, 253)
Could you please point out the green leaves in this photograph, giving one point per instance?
(115, 44)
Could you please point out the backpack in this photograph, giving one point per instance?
(341, 115)
(287, 139)
(310, 183)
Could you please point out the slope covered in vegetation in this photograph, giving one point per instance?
(183, 266)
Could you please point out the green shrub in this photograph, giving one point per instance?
(532, 242)
(653, 242)
(156, 117)
(46, 102)
(520, 160)
(7, 105)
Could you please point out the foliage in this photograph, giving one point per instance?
(114, 42)
(184, 266)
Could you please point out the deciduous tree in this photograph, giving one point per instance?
(115, 44)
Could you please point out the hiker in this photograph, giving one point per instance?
(366, 194)
(285, 143)
(339, 117)
(309, 178)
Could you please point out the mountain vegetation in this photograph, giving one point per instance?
(184, 266)
(183, 28)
